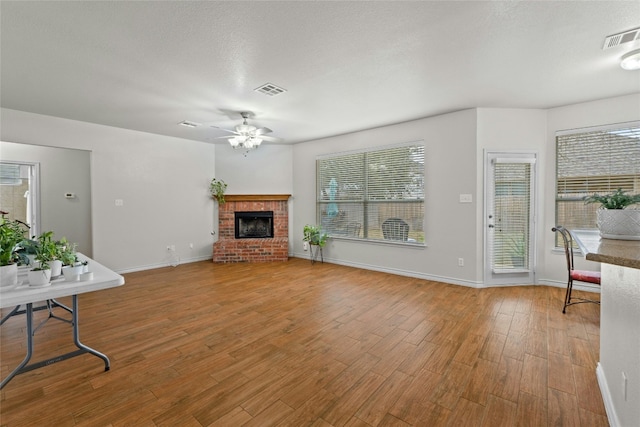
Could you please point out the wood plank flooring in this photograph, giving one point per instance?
(295, 344)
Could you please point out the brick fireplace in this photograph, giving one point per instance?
(228, 248)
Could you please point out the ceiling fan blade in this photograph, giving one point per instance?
(269, 138)
(262, 131)
(226, 130)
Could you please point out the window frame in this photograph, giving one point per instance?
(566, 184)
(366, 201)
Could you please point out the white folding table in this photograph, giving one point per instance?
(23, 294)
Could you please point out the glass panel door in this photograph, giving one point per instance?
(510, 219)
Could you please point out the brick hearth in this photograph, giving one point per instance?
(230, 249)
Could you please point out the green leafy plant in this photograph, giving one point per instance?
(11, 234)
(615, 200)
(47, 250)
(66, 252)
(217, 188)
(314, 235)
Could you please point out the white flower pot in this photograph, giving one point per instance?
(620, 224)
(8, 275)
(56, 268)
(39, 277)
(72, 273)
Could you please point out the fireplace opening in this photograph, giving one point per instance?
(254, 225)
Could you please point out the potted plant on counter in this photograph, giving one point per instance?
(11, 234)
(614, 219)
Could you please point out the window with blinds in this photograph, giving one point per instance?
(375, 194)
(597, 160)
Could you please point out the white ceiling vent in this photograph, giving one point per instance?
(189, 124)
(270, 89)
(621, 38)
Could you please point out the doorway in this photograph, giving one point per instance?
(19, 193)
(509, 218)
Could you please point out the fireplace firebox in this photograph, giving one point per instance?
(254, 225)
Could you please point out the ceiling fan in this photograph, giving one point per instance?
(246, 136)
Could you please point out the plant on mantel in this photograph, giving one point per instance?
(217, 188)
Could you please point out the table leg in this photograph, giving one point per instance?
(82, 349)
(76, 336)
(29, 347)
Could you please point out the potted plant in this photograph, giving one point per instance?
(28, 250)
(314, 235)
(217, 188)
(71, 266)
(613, 218)
(11, 234)
(45, 254)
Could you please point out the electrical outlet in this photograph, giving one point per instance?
(305, 246)
(460, 262)
(171, 247)
(190, 245)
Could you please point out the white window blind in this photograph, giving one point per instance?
(374, 194)
(512, 216)
(590, 161)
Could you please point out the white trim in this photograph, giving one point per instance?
(612, 416)
(163, 264)
(614, 126)
(419, 142)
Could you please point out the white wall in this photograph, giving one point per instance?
(450, 227)
(596, 113)
(163, 182)
(504, 129)
(61, 171)
(620, 344)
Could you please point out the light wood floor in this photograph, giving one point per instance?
(295, 344)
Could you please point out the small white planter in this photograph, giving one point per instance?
(56, 268)
(8, 276)
(620, 224)
(39, 277)
(72, 273)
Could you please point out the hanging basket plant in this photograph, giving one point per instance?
(217, 188)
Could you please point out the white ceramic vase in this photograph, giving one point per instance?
(620, 224)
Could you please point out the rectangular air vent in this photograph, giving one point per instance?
(621, 38)
(270, 89)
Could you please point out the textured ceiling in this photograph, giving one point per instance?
(347, 66)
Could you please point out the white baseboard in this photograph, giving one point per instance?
(606, 397)
(163, 264)
(417, 275)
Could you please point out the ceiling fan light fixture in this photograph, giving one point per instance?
(236, 141)
(631, 60)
